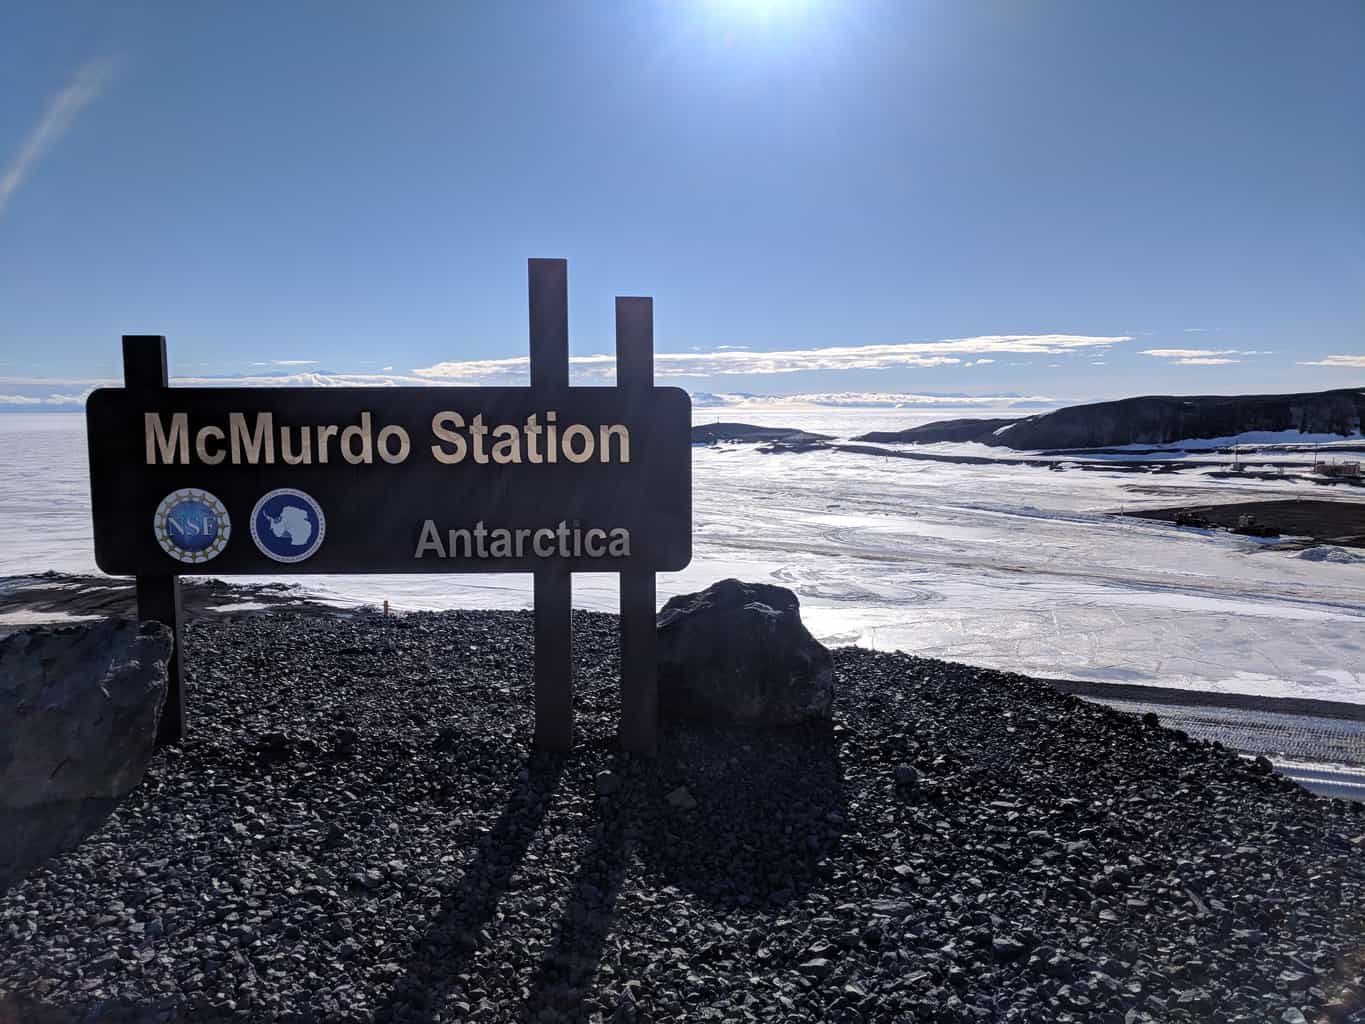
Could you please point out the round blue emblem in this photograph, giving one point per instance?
(191, 525)
(288, 525)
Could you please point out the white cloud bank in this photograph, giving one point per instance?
(1347, 361)
(85, 86)
(1202, 356)
(730, 362)
(44, 399)
(700, 399)
(866, 400)
(601, 368)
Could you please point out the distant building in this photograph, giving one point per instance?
(1348, 469)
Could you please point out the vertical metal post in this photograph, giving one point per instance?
(548, 282)
(158, 596)
(639, 673)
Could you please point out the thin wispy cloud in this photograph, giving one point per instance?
(44, 399)
(1352, 362)
(40, 386)
(865, 399)
(329, 379)
(308, 379)
(86, 85)
(728, 362)
(601, 367)
(42, 382)
(1202, 356)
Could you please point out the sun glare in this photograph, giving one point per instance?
(763, 12)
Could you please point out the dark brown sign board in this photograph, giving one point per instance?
(548, 479)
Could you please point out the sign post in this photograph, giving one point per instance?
(639, 681)
(547, 479)
(158, 594)
(548, 300)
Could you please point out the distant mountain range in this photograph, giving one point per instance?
(1155, 420)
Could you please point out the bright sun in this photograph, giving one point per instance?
(759, 10)
(776, 26)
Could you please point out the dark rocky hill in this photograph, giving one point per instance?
(1154, 419)
(942, 430)
(714, 433)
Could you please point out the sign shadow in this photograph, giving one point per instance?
(448, 945)
(770, 810)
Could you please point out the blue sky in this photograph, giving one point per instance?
(975, 197)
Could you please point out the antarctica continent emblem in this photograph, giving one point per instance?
(191, 525)
(288, 525)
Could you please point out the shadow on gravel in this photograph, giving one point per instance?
(19, 1010)
(771, 809)
(59, 593)
(448, 945)
(55, 828)
(570, 962)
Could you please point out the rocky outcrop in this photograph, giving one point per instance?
(943, 430)
(747, 433)
(78, 713)
(738, 653)
(1158, 419)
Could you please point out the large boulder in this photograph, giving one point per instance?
(738, 653)
(79, 707)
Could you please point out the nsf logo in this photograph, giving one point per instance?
(288, 525)
(191, 525)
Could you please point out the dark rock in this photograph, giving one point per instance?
(737, 653)
(714, 433)
(1007, 948)
(79, 707)
(941, 430)
(906, 775)
(682, 799)
(1156, 419)
(344, 740)
(816, 967)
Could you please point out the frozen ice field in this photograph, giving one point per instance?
(1010, 566)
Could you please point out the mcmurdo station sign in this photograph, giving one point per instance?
(239, 480)
(546, 479)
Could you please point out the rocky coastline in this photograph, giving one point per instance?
(1154, 419)
(355, 830)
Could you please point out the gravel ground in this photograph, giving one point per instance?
(356, 831)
